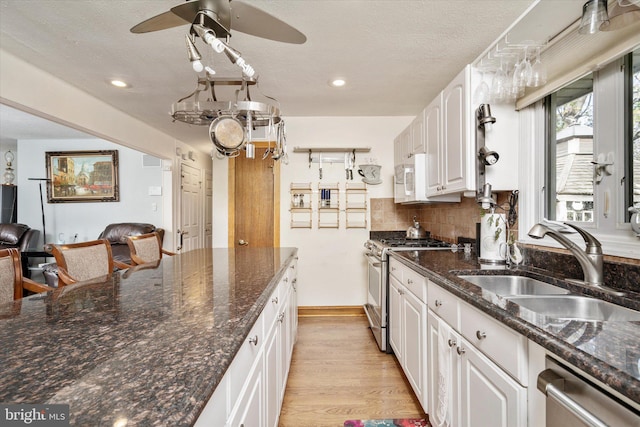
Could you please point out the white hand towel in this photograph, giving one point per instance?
(442, 416)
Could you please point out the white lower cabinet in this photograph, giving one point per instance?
(467, 388)
(251, 392)
(408, 322)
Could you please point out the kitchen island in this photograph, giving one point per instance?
(608, 351)
(148, 346)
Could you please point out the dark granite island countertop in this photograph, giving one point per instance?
(608, 351)
(147, 346)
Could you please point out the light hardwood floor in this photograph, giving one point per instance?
(338, 373)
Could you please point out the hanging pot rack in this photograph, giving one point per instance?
(192, 110)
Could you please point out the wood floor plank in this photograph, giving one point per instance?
(337, 373)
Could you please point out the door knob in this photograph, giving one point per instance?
(242, 242)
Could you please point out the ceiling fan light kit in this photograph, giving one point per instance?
(230, 122)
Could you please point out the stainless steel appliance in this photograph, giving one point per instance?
(573, 401)
(376, 253)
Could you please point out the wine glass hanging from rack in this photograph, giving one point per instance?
(515, 67)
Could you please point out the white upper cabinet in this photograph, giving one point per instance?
(446, 131)
(417, 135)
(458, 162)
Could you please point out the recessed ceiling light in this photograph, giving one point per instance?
(337, 82)
(119, 83)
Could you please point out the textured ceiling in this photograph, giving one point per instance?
(396, 55)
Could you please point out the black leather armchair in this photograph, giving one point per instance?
(19, 236)
(116, 234)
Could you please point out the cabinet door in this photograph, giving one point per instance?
(414, 323)
(272, 381)
(401, 147)
(417, 135)
(433, 145)
(395, 317)
(442, 388)
(488, 393)
(454, 128)
(250, 406)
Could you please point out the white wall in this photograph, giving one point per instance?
(86, 219)
(332, 269)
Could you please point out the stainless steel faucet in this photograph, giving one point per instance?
(590, 259)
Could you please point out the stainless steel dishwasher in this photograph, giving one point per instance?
(573, 401)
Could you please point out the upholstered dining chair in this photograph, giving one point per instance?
(146, 248)
(84, 261)
(12, 283)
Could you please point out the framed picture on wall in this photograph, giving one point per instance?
(82, 176)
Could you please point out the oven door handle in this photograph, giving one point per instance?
(375, 262)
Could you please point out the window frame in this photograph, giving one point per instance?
(614, 231)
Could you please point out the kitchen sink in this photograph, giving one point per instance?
(513, 285)
(575, 307)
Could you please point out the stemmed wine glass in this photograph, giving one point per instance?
(498, 84)
(538, 76)
(521, 75)
(482, 92)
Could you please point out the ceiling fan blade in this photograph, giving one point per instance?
(251, 20)
(159, 22)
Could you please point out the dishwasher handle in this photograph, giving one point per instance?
(552, 385)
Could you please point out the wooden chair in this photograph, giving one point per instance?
(146, 248)
(12, 283)
(84, 261)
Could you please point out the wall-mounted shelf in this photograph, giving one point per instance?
(301, 205)
(328, 205)
(356, 205)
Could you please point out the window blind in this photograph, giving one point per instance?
(572, 55)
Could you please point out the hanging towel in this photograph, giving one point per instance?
(443, 409)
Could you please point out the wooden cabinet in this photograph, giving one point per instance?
(253, 387)
(433, 145)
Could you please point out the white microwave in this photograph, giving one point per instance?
(411, 180)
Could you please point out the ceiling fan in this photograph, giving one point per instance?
(221, 16)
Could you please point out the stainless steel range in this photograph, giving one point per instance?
(376, 252)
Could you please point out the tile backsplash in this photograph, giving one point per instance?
(445, 221)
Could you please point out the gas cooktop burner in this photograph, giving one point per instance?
(414, 243)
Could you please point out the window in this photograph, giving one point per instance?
(592, 153)
(632, 90)
(570, 173)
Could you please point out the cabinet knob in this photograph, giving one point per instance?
(274, 300)
(481, 335)
(254, 340)
(409, 281)
(286, 280)
(438, 303)
(460, 351)
(292, 267)
(281, 317)
(451, 342)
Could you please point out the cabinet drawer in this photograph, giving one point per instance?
(273, 306)
(245, 358)
(444, 304)
(396, 269)
(416, 284)
(502, 345)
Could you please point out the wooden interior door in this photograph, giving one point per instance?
(254, 200)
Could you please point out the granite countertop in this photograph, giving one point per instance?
(148, 346)
(608, 351)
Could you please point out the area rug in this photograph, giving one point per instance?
(404, 422)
